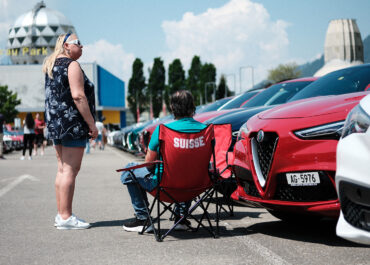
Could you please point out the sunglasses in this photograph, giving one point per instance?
(76, 42)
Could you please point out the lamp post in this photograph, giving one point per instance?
(205, 90)
(233, 75)
(240, 75)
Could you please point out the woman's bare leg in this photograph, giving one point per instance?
(71, 159)
(59, 176)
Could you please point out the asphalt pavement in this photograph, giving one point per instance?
(252, 236)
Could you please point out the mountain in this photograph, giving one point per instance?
(308, 69)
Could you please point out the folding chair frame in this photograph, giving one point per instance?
(199, 202)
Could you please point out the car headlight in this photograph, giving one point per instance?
(331, 131)
(243, 129)
(358, 121)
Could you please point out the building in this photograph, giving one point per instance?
(30, 40)
(343, 46)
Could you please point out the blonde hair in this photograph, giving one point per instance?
(49, 61)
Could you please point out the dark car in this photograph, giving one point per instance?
(271, 97)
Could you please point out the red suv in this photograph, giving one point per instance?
(285, 158)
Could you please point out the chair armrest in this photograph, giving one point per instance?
(140, 166)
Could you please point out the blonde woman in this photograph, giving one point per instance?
(69, 115)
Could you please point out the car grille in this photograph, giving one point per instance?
(324, 191)
(265, 152)
(355, 213)
(250, 188)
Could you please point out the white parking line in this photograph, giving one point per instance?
(267, 254)
(14, 183)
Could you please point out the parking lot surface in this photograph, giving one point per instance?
(252, 236)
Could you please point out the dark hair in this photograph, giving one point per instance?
(182, 104)
(30, 122)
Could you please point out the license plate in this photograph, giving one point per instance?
(303, 179)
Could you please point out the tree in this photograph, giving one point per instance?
(284, 72)
(222, 87)
(193, 80)
(208, 80)
(176, 79)
(156, 85)
(136, 99)
(8, 104)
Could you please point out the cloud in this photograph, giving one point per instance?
(240, 33)
(110, 56)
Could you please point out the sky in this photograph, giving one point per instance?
(235, 35)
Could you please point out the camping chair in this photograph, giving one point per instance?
(184, 176)
(223, 139)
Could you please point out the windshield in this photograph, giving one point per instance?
(349, 80)
(213, 106)
(239, 100)
(276, 94)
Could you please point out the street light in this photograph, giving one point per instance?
(233, 75)
(240, 75)
(205, 90)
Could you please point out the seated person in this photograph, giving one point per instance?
(183, 108)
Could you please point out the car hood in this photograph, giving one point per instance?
(312, 107)
(237, 119)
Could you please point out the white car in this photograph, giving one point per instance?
(353, 175)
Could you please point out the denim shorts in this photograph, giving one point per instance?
(81, 142)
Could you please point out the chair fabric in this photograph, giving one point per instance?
(185, 159)
(223, 138)
(184, 175)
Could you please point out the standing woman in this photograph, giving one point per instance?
(70, 112)
(28, 135)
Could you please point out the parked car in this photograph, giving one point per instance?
(271, 97)
(240, 100)
(13, 139)
(353, 175)
(285, 157)
(214, 105)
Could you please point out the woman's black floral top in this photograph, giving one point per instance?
(63, 120)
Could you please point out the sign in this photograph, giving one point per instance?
(25, 51)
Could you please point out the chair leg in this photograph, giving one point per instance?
(217, 217)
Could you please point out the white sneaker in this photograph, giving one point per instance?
(72, 223)
(57, 220)
(30, 158)
(22, 158)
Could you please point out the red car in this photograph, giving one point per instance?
(285, 157)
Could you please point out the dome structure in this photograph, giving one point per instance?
(34, 34)
(343, 46)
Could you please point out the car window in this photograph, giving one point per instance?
(277, 94)
(349, 80)
(237, 101)
(213, 106)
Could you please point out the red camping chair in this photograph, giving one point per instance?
(184, 176)
(223, 137)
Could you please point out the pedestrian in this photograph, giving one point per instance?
(183, 109)
(2, 121)
(70, 121)
(28, 135)
(101, 133)
(39, 135)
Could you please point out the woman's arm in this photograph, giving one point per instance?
(76, 83)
